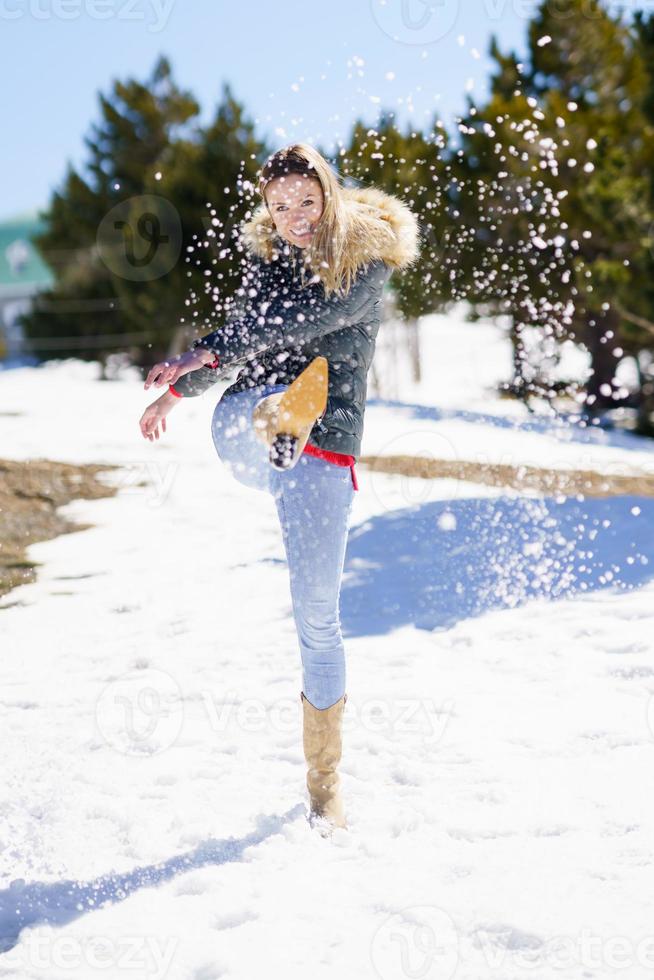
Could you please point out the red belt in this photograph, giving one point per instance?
(340, 459)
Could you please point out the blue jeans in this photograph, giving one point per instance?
(314, 503)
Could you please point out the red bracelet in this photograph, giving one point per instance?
(213, 364)
(173, 392)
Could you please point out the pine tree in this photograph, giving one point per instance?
(555, 175)
(212, 181)
(409, 165)
(89, 304)
(134, 242)
(593, 75)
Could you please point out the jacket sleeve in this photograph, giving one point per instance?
(294, 319)
(197, 382)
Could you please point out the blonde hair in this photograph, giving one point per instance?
(328, 253)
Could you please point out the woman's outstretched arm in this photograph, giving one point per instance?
(272, 320)
(198, 369)
(294, 319)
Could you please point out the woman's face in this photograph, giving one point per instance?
(296, 204)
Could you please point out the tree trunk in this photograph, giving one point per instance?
(603, 361)
(374, 378)
(519, 384)
(645, 411)
(413, 327)
(517, 350)
(178, 341)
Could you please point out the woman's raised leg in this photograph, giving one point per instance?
(233, 433)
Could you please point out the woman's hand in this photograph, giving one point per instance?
(167, 372)
(156, 413)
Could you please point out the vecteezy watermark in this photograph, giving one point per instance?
(153, 12)
(141, 712)
(130, 956)
(144, 477)
(584, 474)
(585, 951)
(409, 449)
(419, 941)
(140, 239)
(381, 716)
(415, 21)
(427, 21)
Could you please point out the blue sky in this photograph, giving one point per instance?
(302, 70)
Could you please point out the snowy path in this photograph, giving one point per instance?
(498, 743)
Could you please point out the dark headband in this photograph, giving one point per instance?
(282, 165)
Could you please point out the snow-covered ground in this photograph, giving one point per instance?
(498, 738)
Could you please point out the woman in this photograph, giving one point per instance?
(304, 326)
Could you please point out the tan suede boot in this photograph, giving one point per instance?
(284, 420)
(322, 750)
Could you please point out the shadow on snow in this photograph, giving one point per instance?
(59, 902)
(433, 564)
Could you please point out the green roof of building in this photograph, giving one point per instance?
(20, 263)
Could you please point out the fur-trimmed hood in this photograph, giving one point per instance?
(381, 227)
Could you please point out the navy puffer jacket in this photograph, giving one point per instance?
(282, 322)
